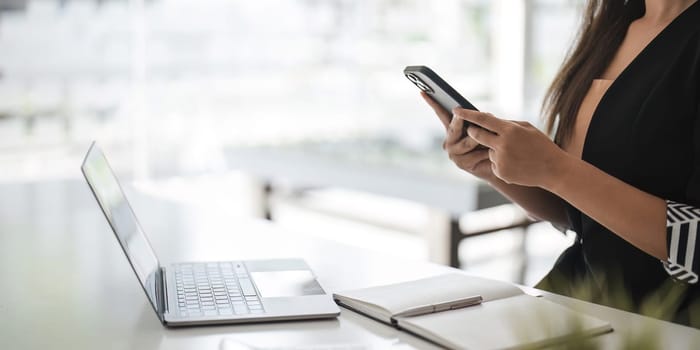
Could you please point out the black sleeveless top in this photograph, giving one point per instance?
(645, 132)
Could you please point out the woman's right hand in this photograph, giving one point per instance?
(462, 149)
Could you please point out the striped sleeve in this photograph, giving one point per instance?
(682, 223)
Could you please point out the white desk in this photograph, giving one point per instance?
(66, 283)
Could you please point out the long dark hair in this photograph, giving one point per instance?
(602, 30)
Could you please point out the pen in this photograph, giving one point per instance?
(443, 306)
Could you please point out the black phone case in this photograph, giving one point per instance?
(439, 90)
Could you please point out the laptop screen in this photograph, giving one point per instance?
(121, 217)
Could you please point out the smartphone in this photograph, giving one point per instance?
(440, 91)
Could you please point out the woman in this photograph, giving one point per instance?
(623, 170)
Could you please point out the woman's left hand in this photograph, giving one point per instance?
(519, 152)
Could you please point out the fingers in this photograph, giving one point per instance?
(471, 160)
(485, 120)
(483, 136)
(460, 146)
(442, 114)
(455, 131)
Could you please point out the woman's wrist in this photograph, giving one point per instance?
(561, 169)
(493, 181)
(497, 183)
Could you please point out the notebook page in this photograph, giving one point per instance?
(395, 298)
(513, 323)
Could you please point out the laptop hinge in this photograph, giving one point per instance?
(164, 294)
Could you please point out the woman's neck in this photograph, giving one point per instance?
(664, 11)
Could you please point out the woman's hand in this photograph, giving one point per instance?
(462, 150)
(519, 153)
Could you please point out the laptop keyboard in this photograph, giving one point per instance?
(213, 289)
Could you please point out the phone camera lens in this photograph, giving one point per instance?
(424, 87)
(419, 83)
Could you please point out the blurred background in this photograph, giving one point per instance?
(291, 110)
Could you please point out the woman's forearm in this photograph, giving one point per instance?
(636, 216)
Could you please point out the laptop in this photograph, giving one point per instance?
(199, 293)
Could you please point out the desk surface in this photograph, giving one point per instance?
(66, 283)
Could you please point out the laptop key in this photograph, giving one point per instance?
(247, 286)
(240, 309)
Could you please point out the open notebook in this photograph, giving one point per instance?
(490, 315)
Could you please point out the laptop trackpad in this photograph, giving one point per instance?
(286, 283)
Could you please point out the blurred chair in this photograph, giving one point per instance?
(341, 205)
(489, 220)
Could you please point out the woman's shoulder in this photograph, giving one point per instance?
(689, 53)
(690, 26)
(693, 15)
